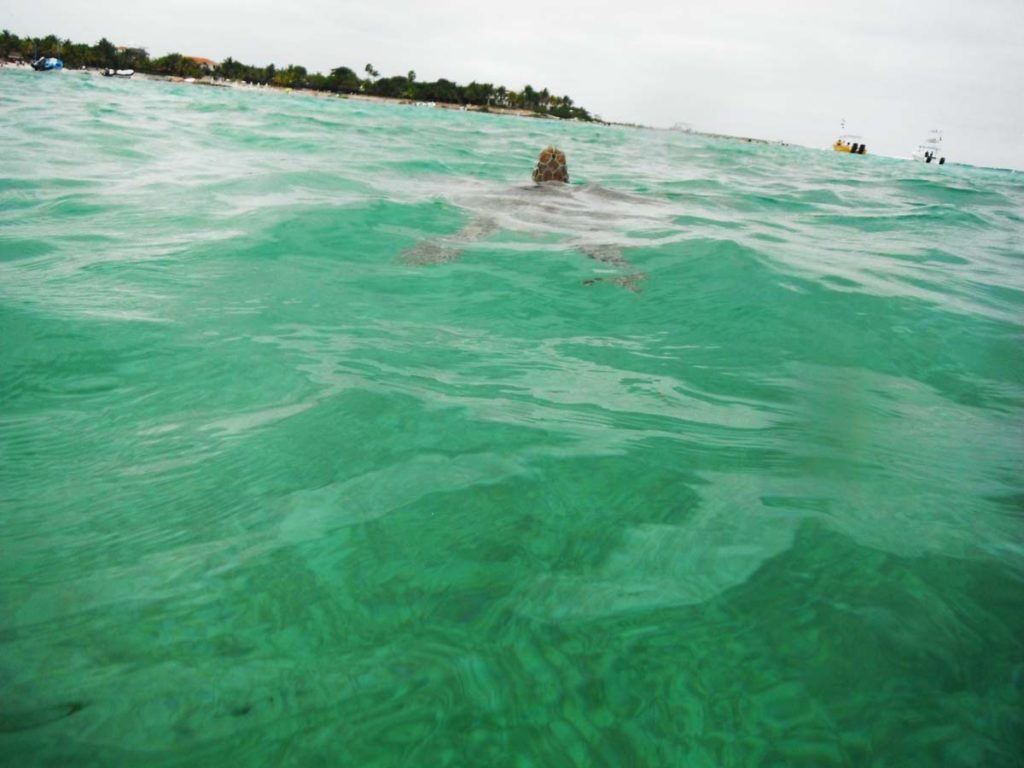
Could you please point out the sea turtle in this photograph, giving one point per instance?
(548, 208)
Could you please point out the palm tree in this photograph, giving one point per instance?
(529, 97)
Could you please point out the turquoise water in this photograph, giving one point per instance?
(326, 439)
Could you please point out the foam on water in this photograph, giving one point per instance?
(326, 438)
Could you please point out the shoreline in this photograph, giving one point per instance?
(513, 112)
(236, 85)
(210, 82)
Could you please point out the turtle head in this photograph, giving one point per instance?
(551, 166)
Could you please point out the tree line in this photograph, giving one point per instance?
(341, 80)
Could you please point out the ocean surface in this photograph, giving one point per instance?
(327, 439)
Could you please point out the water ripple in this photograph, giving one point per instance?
(327, 437)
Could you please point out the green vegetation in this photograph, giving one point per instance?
(342, 80)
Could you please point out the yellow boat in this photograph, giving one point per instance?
(850, 144)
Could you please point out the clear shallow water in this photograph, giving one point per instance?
(327, 440)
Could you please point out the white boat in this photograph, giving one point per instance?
(930, 150)
(118, 72)
(47, 64)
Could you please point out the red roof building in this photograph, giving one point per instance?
(208, 64)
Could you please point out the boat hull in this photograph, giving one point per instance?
(47, 64)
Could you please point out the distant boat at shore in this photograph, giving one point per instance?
(848, 143)
(118, 72)
(930, 150)
(47, 64)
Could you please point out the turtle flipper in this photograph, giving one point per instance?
(612, 256)
(430, 252)
(629, 282)
(443, 250)
(606, 254)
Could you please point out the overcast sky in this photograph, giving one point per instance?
(785, 70)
